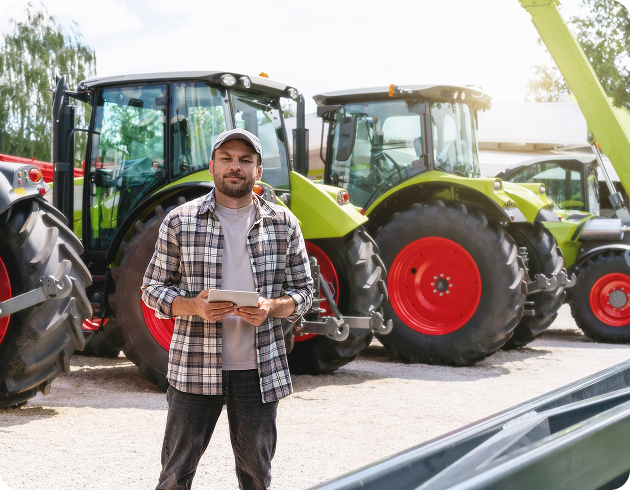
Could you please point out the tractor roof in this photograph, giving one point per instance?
(443, 93)
(258, 83)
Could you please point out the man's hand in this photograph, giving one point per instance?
(267, 308)
(199, 306)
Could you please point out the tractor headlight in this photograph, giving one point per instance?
(228, 80)
(497, 185)
(293, 93)
(245, 82)
(541, 189)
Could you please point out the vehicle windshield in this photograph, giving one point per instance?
(454, 141)
(127, 161)
(260, 115)
(197, 119)
(387, 148)
(563, 182)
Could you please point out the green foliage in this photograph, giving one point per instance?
(288, 110)
(546, 86)
(30, 57)
(605, 37)
(604, 34)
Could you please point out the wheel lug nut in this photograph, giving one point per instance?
(435, 290)
(441, 294)
(448, 292)
(432, 284)
(448, 278)
(450, 285)
(441, 275)
(434, 277)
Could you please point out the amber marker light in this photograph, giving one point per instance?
(392, 90)
(34, 174)
(263, 74)
(258, 189)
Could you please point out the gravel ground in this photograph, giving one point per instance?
(102, 425)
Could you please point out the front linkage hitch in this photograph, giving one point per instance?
(543, 283)
(336, 327)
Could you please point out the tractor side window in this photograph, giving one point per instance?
(563, 182)
(197, 119)
(127, 161)
(260, 115)
(387, 149)
(454, 141)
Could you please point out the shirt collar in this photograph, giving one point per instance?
(263, 209)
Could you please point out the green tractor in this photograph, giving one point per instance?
(149, 143)
(471, 268)
(600, 254)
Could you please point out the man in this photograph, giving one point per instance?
(230, 239)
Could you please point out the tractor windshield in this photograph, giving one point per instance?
(127, 161)
(454, 141)
(387, 148)
(260, 115)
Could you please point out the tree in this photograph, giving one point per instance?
(604, 34)
(31, 55)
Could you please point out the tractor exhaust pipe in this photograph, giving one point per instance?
(300, 140)
(603, 229)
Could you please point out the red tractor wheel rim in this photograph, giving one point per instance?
(93, 324)
(5, 294)
(162, 330)
(434, 286)
(327, 271)
(609, 299)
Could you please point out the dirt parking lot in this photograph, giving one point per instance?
(101, 427)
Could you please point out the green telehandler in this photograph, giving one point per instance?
(149, 142)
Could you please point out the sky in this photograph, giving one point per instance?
(313, 46)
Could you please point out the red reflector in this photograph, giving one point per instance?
(41, 190)
(258, 189)
(362, 211)
(34, 174)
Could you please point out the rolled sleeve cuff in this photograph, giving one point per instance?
(303, 299)
(163, 301)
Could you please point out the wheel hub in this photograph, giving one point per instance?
(434, 285)
(617, 299)
(609, 299)
(441, 284)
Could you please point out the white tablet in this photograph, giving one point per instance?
(239, 298)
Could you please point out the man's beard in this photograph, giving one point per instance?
(231, 191)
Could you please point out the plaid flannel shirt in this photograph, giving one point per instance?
(187, 260)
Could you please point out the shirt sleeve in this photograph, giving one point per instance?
(159, 285)
(298, 282)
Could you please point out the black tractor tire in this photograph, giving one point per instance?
(545, 257)
(40, 340)
(129, 325)
(501, 293)
(362, 290)
(611, 262)
(103, 344)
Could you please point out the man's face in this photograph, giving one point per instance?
(235, 168)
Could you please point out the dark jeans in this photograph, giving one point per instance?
(191, 421)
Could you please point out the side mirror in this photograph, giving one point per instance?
(60, 91)
(347, 135)
(324, 111)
